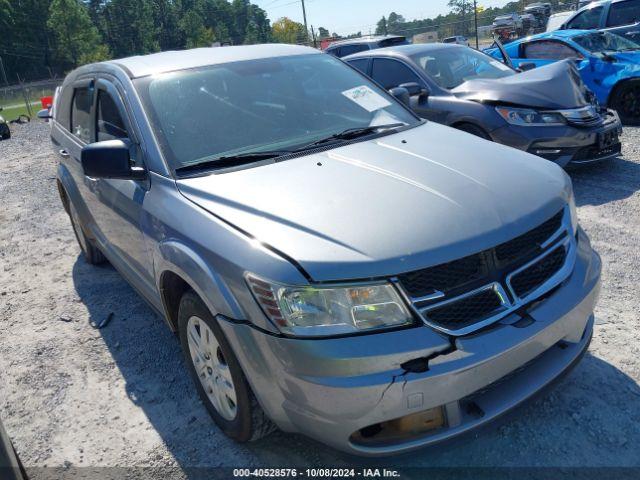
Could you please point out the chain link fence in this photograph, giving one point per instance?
(25, 98)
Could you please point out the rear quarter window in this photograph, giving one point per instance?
(81, 113)
(62, 112)
(360, 64)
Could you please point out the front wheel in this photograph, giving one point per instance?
(216, 372)
(626, 101)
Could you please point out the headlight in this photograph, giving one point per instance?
(527, 117)
(336, 310)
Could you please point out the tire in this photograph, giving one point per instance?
(5, 133)
(626, 101)
(214, 368)
(90, 252)
(473, 130)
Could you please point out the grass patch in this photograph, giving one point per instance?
(11, 113)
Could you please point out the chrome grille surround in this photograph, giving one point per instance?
(563, 238)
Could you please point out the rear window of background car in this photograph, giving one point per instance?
(624, 13)
(81, 113)
(587, 20)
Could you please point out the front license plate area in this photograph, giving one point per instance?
(608, 139)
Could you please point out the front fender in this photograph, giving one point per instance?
(178, 258)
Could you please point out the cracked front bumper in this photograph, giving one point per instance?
(328, 389)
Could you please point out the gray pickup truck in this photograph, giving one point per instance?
(332, 264)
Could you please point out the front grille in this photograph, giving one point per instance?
(456, 310)
(528, 245)
(466, 311)
(455, 275)
(444, 277)
(534, 276)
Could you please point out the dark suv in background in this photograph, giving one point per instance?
(616, 16)
(343, 48)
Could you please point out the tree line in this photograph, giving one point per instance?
(42, 38)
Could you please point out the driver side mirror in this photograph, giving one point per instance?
(44, 114)
(414, 88)
(526, 66)
(110, 159)
(401, 94)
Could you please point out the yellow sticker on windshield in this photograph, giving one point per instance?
(366, 98)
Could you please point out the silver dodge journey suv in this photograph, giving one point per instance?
(332, 264)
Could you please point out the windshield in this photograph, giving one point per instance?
(451, 67)
(280, 103)
(605, 42)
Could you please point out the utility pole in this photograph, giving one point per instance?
(304, 16)
(475, 20)
(313, 36)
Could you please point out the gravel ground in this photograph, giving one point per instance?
(71, 394)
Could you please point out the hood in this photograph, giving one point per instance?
(381, 207)
(554, 86)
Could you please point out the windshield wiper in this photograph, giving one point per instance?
(231, 161)
(250, 157)
(349, 134)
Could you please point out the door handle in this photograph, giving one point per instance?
(63, 153)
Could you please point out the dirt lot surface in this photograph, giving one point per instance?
(71, 394)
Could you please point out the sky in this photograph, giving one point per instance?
(350, 16)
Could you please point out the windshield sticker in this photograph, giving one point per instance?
(366, 98)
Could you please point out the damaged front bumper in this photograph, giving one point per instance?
(567, 145)
(332, 389)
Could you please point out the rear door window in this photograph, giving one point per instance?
(549, 50)
(587, 20)
(624, 13)
(350, 49)
(81, 113)
(109, 124)
(391, 73)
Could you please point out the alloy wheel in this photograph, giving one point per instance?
(212, 369)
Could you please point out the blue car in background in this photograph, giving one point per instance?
(609, 64)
